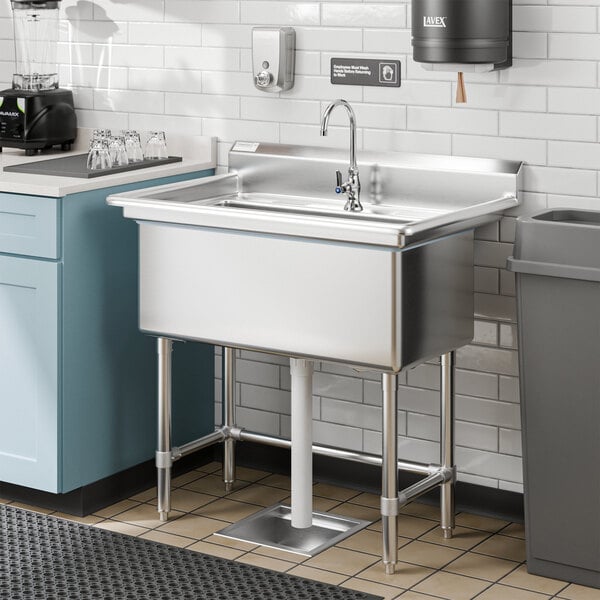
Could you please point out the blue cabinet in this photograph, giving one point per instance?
(29, 362)
(77, 378)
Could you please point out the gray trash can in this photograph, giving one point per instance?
(557, 265)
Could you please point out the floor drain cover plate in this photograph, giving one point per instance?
(272, 527)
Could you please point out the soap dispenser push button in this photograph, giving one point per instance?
(264, 79)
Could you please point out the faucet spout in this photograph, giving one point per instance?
(352, 186)
(351, 117)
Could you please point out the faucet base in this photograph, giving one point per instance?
(353, 205)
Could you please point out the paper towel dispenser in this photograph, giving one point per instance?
(462, 31)
(462, 36)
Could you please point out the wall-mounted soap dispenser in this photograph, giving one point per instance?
(273, 54)
(462, 36)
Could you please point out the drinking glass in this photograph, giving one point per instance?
(117, 151)
(133, 146)
(156, 147)
(99, 156)
(99, 134)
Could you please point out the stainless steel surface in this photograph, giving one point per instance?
(379, 224)
(203, 442)
(228, 416)
(273, 58)
(351, 117)
(386, 288)
(351, 187)
(389, 472)
(369, 459)
(272, 527)
(411, 493)
(299, 205)
(351, 303)
(164, 349)
(416, 197)
(447, 443)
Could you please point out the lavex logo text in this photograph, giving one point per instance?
(434, 21)
(6, 113)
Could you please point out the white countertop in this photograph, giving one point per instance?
(198, 152)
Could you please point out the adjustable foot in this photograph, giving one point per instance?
(390, 568)
(448, 533)
(228, 464)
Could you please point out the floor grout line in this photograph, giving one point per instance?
(437, 570)
(286, 565)
(492, 584)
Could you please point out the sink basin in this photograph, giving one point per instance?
(326, 208)
(264, 256)
(311, 206)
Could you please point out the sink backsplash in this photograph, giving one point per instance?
(185, 66)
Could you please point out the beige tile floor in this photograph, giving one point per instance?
(484, 560)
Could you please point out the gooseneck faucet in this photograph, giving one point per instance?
(352, 186)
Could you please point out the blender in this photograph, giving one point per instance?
(35, 113)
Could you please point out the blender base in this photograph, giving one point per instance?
(37, 120)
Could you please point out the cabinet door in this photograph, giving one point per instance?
(28, 372)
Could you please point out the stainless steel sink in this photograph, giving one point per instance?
(265, 257)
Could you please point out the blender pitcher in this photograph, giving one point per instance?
(36, 41)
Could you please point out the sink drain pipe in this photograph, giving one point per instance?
(301, 443)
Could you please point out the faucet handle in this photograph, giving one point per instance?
(338, 188)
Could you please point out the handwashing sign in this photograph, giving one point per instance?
(365, 71)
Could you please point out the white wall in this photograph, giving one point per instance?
(184, 65)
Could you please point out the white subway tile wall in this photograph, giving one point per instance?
(185, 66)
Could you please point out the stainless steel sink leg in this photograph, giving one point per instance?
(389, 487)
(447, 442)
(228, 417)
(163, 453)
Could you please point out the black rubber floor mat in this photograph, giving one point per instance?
(45, 558)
